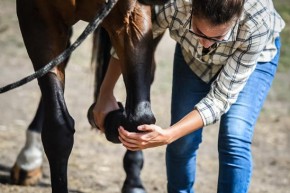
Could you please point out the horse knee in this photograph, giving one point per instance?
(145, 113)
(142, 114)
(58, 139)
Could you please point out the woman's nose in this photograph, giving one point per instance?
(206, 43)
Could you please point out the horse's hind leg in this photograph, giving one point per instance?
(27, 169)
(45, 37)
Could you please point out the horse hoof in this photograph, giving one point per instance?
(26, 178)
(133, 190)
(111, 123)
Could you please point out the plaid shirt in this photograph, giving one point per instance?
(250, 41)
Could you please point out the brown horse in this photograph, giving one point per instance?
(46, 27)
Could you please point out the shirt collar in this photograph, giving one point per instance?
(233, 33)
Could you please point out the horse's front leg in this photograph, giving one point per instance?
(45, 37)
(137, 67)
(137, 73)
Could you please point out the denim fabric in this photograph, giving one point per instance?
(235, 131)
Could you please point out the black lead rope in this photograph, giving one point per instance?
(89, 29)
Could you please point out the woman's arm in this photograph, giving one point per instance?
(106, 100)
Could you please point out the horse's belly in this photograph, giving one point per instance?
(87, 9)
(74, 10)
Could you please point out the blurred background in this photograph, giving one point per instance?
(95, 165)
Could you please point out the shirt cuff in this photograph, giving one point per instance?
(207, 113)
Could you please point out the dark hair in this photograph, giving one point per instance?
(217, 11)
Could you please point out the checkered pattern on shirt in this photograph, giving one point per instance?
(251, 40)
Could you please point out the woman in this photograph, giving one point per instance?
(225, 59)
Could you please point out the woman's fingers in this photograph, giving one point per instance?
(127, 136)
(151, 136)
(130, 146)
(134, 137)
(131, 140)
(147, 128)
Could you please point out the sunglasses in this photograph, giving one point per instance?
(203, 36)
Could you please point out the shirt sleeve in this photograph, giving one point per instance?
(162, 19)
(233, 76)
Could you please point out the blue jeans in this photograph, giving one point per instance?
(235, 131)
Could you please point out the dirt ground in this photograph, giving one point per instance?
(95, 165)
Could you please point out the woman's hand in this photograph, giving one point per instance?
(151, 136)
(104, 105)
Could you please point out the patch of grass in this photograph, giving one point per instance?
(283, 8)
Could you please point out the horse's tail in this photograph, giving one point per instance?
(100, 57)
